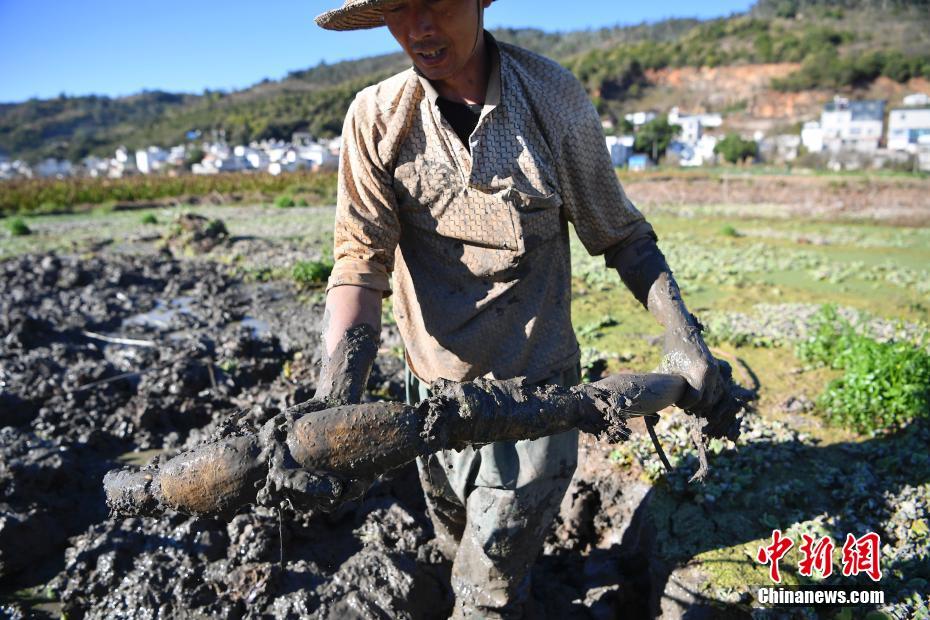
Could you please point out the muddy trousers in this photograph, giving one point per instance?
(492, 507)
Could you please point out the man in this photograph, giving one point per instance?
(459, 177)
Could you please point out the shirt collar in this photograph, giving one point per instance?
(492, 97)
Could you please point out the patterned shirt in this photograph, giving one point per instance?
(476, 236)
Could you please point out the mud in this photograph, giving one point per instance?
(114, 357)
(191, 232)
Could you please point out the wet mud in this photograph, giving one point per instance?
(113, 358)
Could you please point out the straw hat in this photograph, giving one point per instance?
(354, 15)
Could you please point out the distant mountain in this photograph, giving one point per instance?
(838, 45)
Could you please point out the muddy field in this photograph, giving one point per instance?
(114, 358)
(118, 349)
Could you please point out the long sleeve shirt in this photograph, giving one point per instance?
(476, 234)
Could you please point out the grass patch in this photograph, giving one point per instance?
(885, 384)
(17, 227)
(149, 218)
(284, 201)
(311, 272)
(729, 231)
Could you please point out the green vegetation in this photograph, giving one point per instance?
(63, 195)
(149, 218)
(654, 137)
(735, 149)
(17, 227)
(831, 57)
(729, 230)
(825, 69)
(311, 273)
(884, 385)
(284, 201)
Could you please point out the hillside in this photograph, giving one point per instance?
(778, 62)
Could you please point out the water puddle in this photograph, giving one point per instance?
(161, 315)
(257, 327)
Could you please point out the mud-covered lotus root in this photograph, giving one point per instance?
(309, 460)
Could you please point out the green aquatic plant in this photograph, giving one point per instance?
(884, 384)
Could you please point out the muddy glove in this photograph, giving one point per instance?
(685, 354)
(344, 374)
(645, 272)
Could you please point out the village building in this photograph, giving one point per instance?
(812, 136)
(151, 159)
(852, 125)
(906, 126)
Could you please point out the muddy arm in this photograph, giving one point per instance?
(352, 321)
(303, 460)
(644, 271)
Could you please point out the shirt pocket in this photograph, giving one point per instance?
(537, 217)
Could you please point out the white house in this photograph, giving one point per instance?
(258, 160)
(317, 156)
(906, 126)
(700, 153)
(335, 145)
(151, 159)
(812, 136)
(690, 128)
(640, 118)
(693, 125)
(916, 100)
(852, 125)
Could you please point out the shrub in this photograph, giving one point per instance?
(884, 385)
(284, 201)
(17, 227)
(149, 218)
(734, 149)
(729, 231)
(311, 273)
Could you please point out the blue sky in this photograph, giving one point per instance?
(119, 47)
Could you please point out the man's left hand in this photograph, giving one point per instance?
(685, 354)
